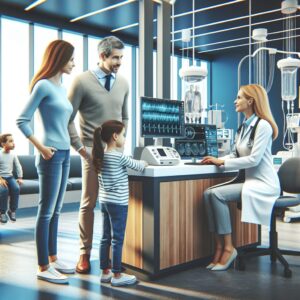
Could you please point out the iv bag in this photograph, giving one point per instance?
(288, 67)
(288, 84)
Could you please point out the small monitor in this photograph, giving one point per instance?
(200, 140)
(162, 117)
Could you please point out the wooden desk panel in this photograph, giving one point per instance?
(167, 224)
(184, 234)
(133, 242)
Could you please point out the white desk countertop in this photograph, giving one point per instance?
(181, 169)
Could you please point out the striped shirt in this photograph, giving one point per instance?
(113, 179)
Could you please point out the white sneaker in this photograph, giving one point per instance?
(62, 267)
(124, 279)
(51, 275)
(105, 278)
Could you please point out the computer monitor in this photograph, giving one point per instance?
(200, 140)
(162, 117)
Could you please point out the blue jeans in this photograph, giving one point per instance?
(13, 190)
(114, 219)
(53, 176)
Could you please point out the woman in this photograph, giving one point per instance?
(260, 188)
(53, 162)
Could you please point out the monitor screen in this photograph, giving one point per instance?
(162, 117)
(161, 152)
(200, 140)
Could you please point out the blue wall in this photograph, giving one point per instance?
(224, 89)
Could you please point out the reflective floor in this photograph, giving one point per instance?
(261, 280)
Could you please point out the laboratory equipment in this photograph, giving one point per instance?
(160, 156)
(288, 67)
(225, 139)
(216, 115)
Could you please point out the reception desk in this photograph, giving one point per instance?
(167, 226)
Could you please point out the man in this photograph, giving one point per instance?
(99, 95)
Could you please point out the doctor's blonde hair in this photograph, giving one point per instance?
(261, 104)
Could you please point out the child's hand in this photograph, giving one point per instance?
(3, 182)
(20, 181)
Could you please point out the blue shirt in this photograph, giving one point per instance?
(55, 110)
(247, 123)
(101, 76)
(249, 120)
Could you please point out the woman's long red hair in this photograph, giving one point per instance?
(56, 56)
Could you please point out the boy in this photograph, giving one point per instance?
(9, 186)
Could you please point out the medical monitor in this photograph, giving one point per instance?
(162, 117)
(200, 140)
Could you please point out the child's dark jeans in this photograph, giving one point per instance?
(13, 191)
(114, 218)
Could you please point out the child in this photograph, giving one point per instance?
(111, 165)
(9, 186)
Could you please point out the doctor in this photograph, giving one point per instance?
(260, 188)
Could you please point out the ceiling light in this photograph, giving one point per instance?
(34, 4)
(101, 10)
(289, 6)
(192, 73)
(183, 14)
(125, 27)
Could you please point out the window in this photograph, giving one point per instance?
(126, 71)
(93, 57)
(15, 78)
(77, 41)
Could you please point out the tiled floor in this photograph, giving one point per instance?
(261, 280)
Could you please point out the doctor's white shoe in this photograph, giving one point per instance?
(210, 266)
(219, 267)
(51, 275)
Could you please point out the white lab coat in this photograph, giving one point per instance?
(261, 187)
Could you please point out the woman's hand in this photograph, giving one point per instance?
(47, 152)
(212, 160)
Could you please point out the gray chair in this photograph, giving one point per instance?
(289, 177)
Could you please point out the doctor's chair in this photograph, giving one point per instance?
(289, 177)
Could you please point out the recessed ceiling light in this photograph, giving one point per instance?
(34, 4)
(101, 10)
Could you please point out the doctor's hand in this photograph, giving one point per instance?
(212, 160)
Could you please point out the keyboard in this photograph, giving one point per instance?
(198, 163)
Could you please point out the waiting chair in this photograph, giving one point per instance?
(289, 177)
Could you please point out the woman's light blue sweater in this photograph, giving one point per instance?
(55, 110)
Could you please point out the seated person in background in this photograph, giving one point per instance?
(9, 186)
(260, 188)
(110, 164)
